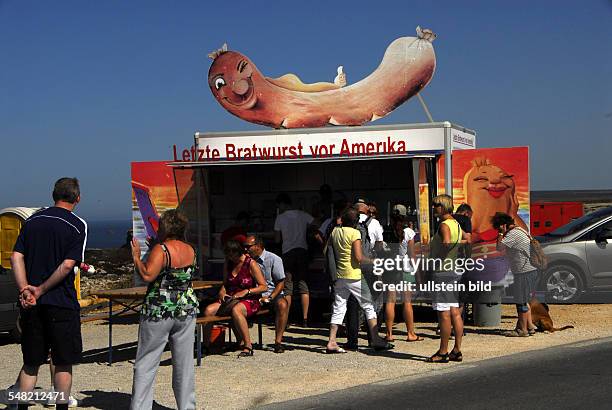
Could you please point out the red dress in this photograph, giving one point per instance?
(243, 280)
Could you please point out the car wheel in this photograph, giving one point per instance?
(562, 284)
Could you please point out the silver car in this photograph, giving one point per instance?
(579, 259)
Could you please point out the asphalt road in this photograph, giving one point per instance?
(567, 377)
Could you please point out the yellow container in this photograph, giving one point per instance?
(11, 221)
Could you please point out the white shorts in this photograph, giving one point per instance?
(443, 307)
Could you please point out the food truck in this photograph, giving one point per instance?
(226, 174)
(320, 151)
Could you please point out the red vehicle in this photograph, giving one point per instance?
(548, 216)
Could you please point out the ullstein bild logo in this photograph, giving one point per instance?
(460, 139)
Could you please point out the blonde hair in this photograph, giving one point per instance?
(446, 201)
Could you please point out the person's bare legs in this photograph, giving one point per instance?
(305, 299)
(409, 320)
(280, 320)
(27, 378)
(523, 319)
(210, 310)
(444, 320)
(62, 382)
(457, 322)
(239, 317)
(530, 324)
(288, 297)
(377, 341)
(332, 343)
(390, 315)
(409, 317)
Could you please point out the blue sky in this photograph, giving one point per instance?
(88, 86)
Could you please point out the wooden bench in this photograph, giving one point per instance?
(204, 320)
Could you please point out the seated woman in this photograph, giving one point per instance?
(243, 282)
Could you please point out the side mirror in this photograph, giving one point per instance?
(605, 233)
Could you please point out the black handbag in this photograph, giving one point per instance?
(225, 309)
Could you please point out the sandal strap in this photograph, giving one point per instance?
(443, 357)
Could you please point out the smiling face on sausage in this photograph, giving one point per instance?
(490, 182)
(230, 80)
(489, 189)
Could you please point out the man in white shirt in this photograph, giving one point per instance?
(290, 229)
(375, 229)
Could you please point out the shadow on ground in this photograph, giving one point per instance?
(121, 353)
(99, 399)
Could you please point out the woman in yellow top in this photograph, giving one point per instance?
(444, 251)
(346, 241)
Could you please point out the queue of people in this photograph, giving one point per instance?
(253, 278)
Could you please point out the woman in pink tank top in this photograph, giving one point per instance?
(243, 283)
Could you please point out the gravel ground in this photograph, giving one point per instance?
(225, 382)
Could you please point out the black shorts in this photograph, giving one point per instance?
(45, 329)
(295, 263)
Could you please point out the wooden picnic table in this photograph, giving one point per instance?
(131, 299)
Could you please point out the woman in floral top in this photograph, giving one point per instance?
(168, 313)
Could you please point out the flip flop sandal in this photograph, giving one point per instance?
(455, 357)
(246, 354)
(335, 351)
(438, 358)
(418, 339)
(516, 333)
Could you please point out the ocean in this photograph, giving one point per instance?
(107, 234)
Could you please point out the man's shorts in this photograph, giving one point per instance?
(47, 328)
(295, 263)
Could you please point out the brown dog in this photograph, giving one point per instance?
(541, 318)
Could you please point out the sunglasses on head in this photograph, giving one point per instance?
(436, 204)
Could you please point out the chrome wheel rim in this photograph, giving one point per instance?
(562, 285)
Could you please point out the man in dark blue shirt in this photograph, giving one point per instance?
(51, 243)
